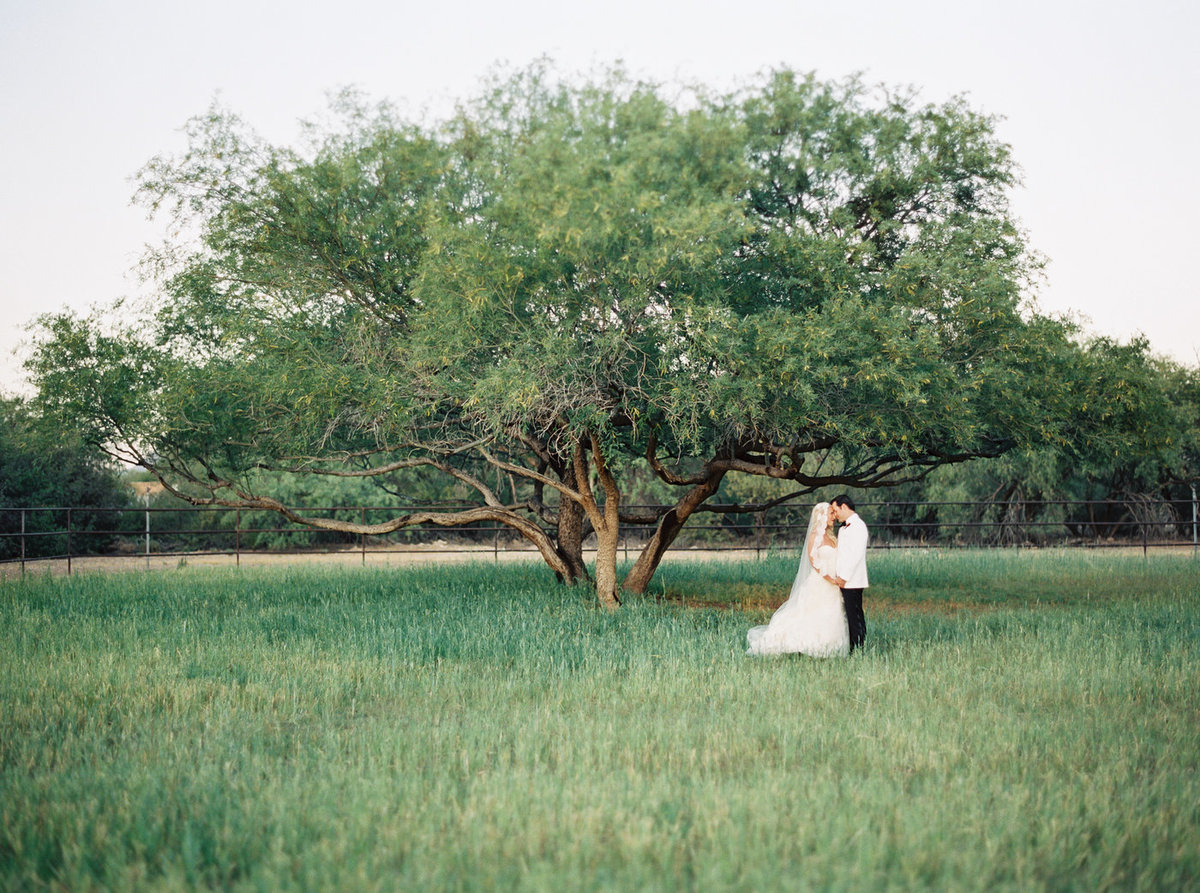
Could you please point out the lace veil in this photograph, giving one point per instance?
(817, 522)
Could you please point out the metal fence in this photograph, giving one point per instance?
(67, 534)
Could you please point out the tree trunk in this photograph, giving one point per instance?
(606, 520)
(668, 529)
(607, 587)
(570, 542)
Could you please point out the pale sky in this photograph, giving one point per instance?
(1099, 101)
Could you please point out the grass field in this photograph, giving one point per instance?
(1018, 721)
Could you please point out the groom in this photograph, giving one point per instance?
(852, 566)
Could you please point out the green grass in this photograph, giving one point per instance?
(1017, 721)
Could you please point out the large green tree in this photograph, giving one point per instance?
(814, 282)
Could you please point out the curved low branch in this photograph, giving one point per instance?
(752, 508)
(488, 494)
(496, 512)
(650, 515)
(665, 473)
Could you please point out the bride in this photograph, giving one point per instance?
(812, 621)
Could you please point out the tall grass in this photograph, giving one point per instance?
(1016, 722)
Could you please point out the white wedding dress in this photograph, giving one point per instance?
(813, 620)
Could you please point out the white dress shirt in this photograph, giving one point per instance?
(852, 553)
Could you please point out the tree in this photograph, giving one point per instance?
(45, 466)
(811, 282)
(1132, 453)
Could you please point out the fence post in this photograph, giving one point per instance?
(68, 542)
(363, 517)
(23, 539)
(147, 530)
(237, 538)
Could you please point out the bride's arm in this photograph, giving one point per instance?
(809, 545)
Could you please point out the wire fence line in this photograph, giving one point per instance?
(69, 533)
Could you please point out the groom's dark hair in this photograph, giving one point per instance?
(844, 500)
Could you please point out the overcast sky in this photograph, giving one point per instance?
(1099, 101)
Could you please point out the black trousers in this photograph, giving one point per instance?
(857, 621)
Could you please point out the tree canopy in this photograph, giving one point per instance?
(815, 282)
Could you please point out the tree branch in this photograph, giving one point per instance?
(665, 473)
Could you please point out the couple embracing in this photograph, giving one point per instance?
(823, 616)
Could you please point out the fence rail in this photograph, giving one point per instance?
(70, 533)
